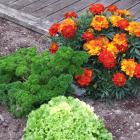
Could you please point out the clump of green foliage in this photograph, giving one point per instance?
(65, 119)
(29, 79)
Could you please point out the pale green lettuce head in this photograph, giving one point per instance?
(65, 119)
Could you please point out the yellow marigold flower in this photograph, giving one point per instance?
(120, 39)
(123, 12)
(99, 22)
(67, 21)
(128, 66)
(112, 48)
(114, 20)
(91, 30)
(92, 47)
(134, 28)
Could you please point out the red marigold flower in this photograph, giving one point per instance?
(54, 29)
(123, 24)
(119, 79)
(107, 59)
(70, 14)
(87, 36)
(122, 48)
(84, 79)
(68, 31)
(137, 71)
(53, 47)
(112, 8)
(96, 8)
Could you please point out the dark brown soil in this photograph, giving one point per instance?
(10, 128)
(122, 118)
(13, 37)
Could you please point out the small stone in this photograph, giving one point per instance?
(78, 92)
(118, 111)
(6, 48)
(1, 118)
(5, 124)
(137, 124)
(131, 127)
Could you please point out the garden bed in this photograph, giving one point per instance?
(122, 118)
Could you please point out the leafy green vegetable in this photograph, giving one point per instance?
(29, 79)
(65, 119)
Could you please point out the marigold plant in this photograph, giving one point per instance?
(112, 40)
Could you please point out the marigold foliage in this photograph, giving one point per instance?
(65, 119)
(29, 79)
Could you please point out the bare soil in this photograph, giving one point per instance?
(10, 128)
(13, 37)
(122, 118)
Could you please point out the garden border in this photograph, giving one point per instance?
(26, 20)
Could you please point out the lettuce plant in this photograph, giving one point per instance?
(65, 119)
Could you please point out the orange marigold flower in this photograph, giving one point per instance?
(123, 12)
(96, 8)
(84, 79)
(99, 23)
(68, 28)
(120, 39)
(128, 66)
(53, 30)
(112, 48)
(68, 31)
(87, 36)
(123, 23)
(137, 71)
(134, 28)
(121, 42)
(70, 14)
(102, 41)
(114, 20)
(107, 59)
(95, 46)
(65, 22)
(119, 79)
(112, 8)
(53, 47)
(92, 47)
(137, 31)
